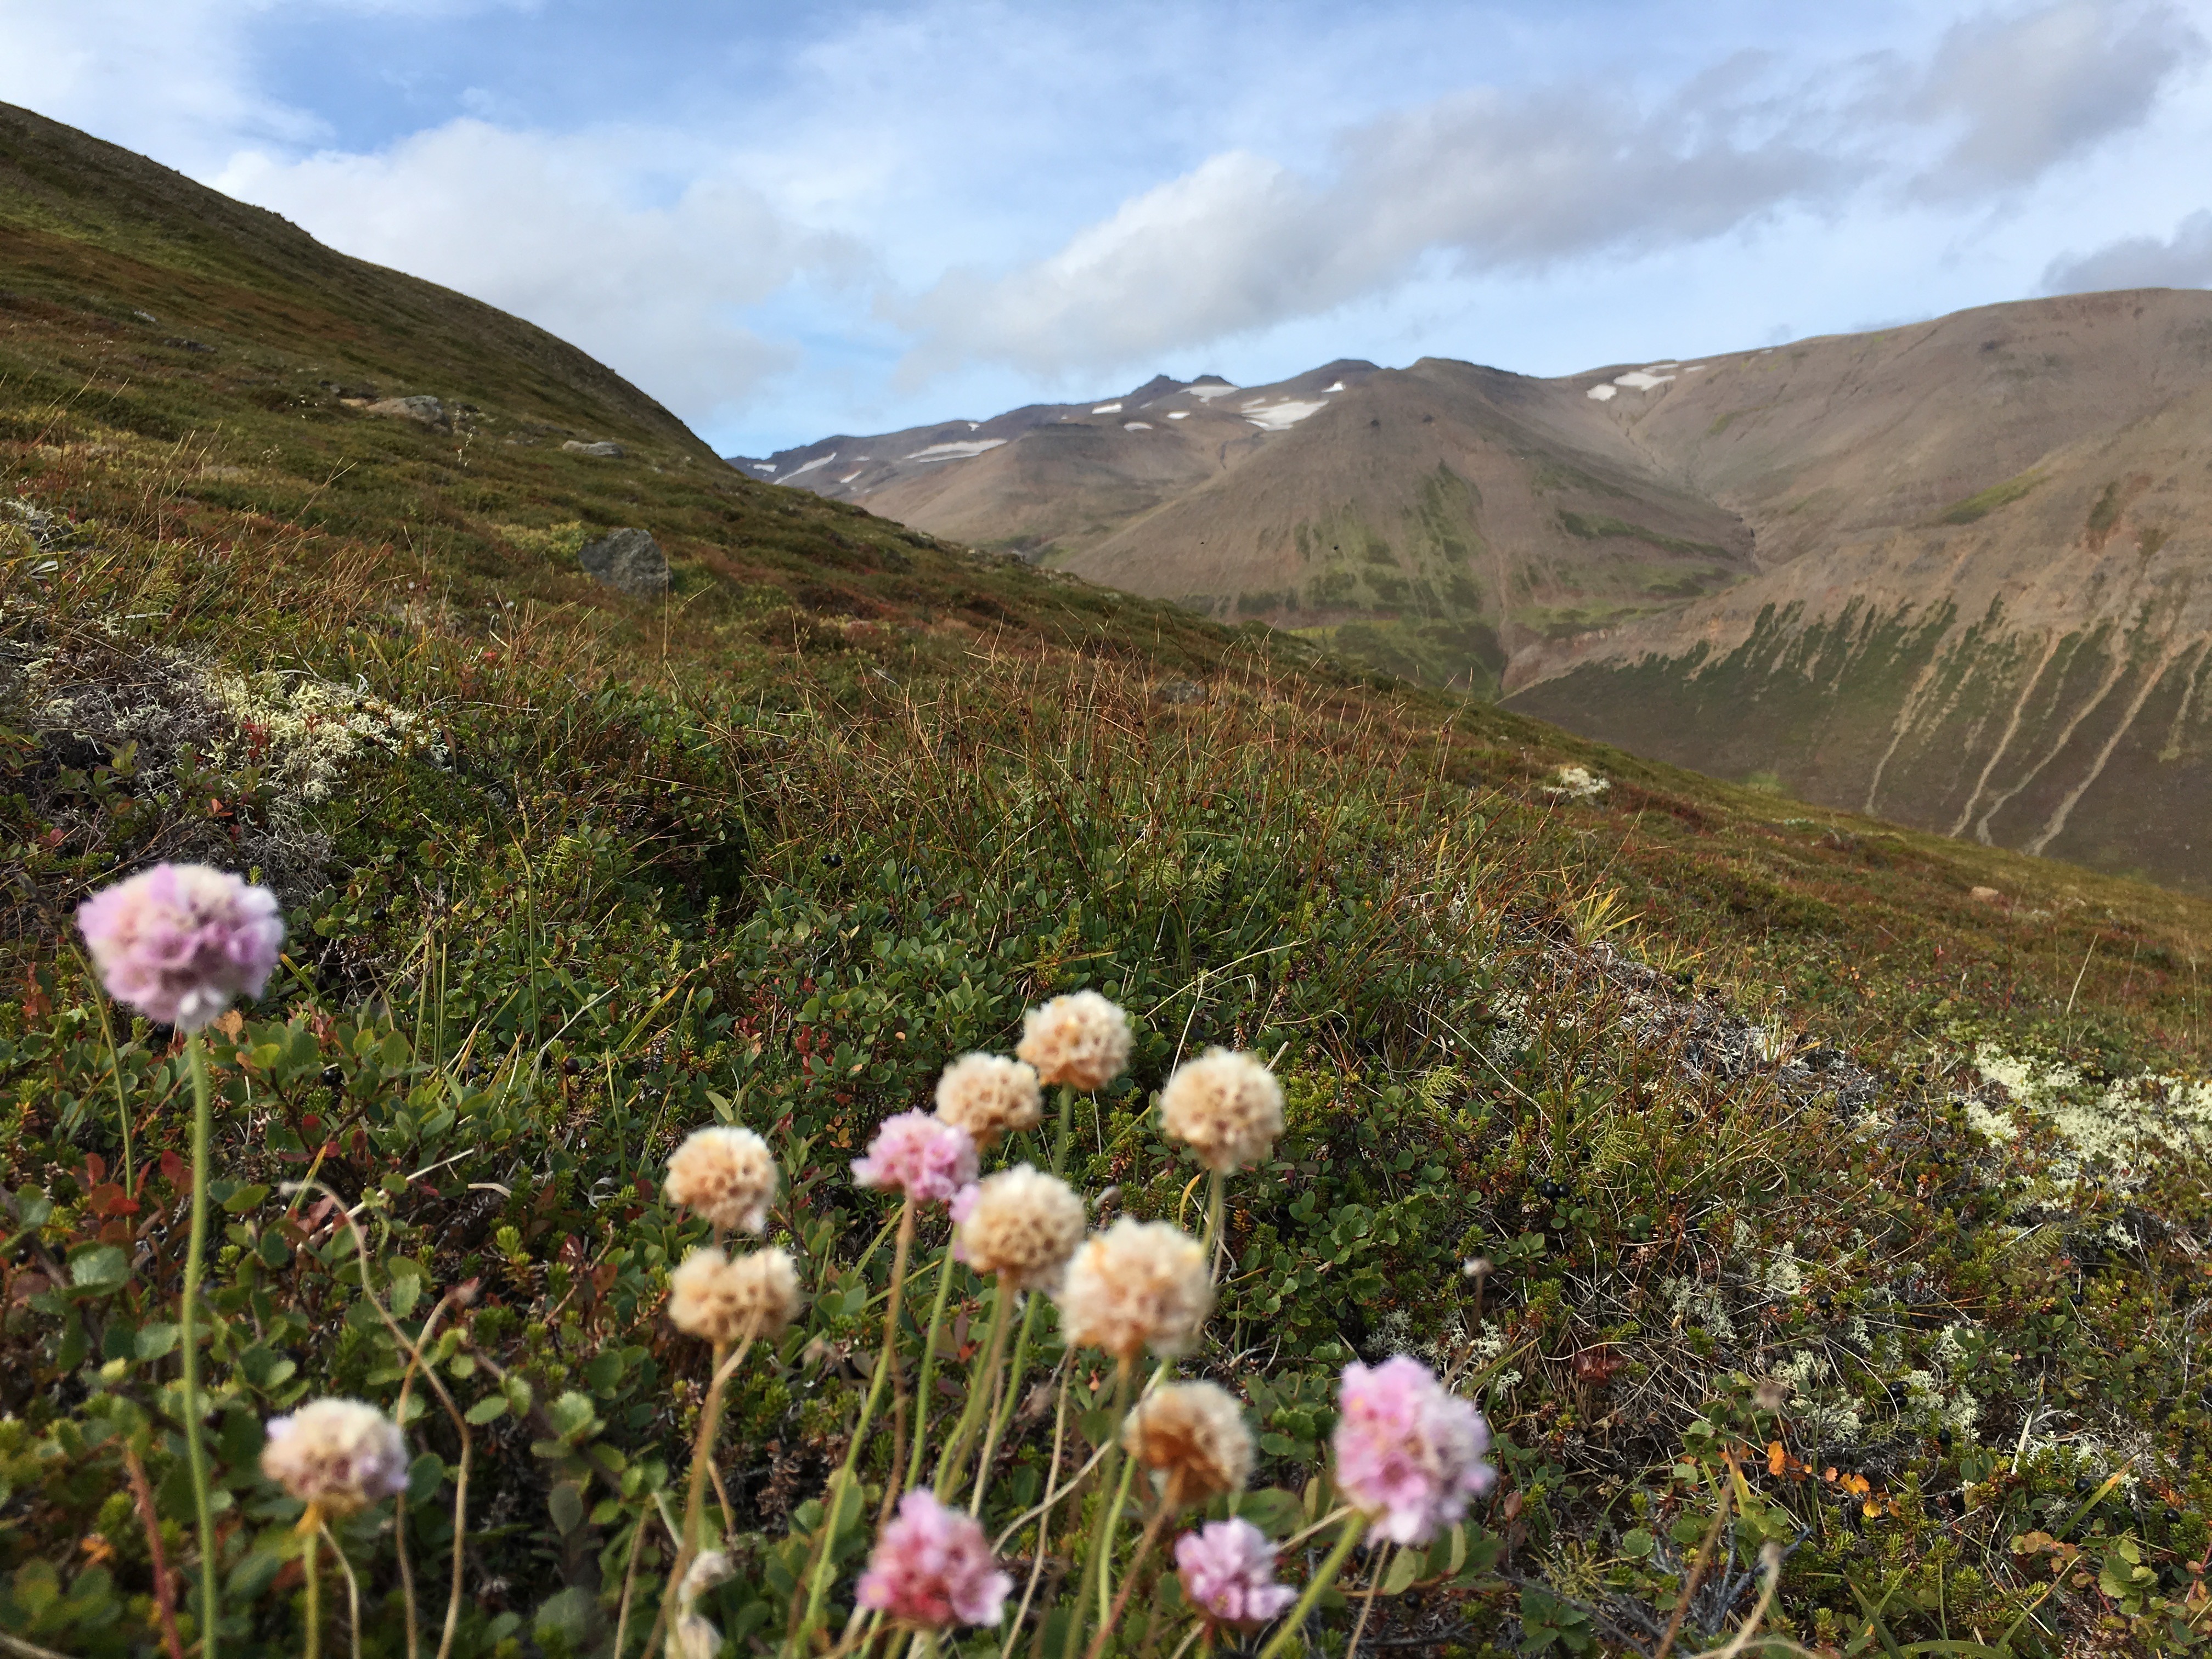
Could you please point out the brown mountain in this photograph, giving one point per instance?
(1947, 572)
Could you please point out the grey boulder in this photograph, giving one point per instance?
(604, 451)
(425, 408)
(628, 561)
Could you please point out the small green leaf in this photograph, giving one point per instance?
(489, 1409)
(99, 1266)
(1637, 1543)
(567, 1504)
(245, 1198)
(155, 1340)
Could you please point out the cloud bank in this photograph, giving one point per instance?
(2181, 260)
(1491, 182)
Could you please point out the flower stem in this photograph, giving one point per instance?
(979, 1391)
(1005, 1411)
(703, 1454)
(1066, 1130)
(928, 1380)
(887, 1364)
(314, 1641)
(1321, 1581)
(1213, 1239)
(194, 1254)
(1109, 1500)
(1166, 1508)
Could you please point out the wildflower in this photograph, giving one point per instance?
(179, 941)
(697, 1635)
(1138, 1285)
(1225, 1106)
(989, 1096)
(723, 1299)
(726, 1175)
(1228, 1572)
(1192, 1437)
(1408, 1453)
(1081, 1040)
(932, 1567)
(927, 1160)
(1019, 1222)
(337, 1456)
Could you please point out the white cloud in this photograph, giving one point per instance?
(565, 231)
(2184, 260)
(1494, 181)
(2023, 94)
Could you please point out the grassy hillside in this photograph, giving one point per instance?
(1842, 1186)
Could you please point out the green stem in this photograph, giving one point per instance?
(1109, 1497)
(887, 1365)
(315, 1643)
(1215, 1184)
(1353, 1524)
(921, 1393)
(122, 1103)
(1006, 1407)
(1066, 1130)
(987, 1358)
(188, 1322)
(1106, 1560)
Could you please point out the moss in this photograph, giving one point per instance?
(1996, 496)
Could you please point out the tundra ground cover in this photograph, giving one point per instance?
(1702, 1148)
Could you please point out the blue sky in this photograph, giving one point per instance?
(790, 221)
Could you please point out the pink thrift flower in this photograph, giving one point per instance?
(932, 1567)
(179, 941)
(928, 1161)
(1228, 1572)
(1408, 1453)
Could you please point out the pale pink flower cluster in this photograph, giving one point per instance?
(932, 1568)
(1192, 1436)
(989, 1096)
(725, 1174)
(724, 1298)
(178, 942)
(1138, 1285)
(340, 1455)
(1228, 1572)
(1225, 1106)
(1409, 1452)
(927, 1160)
(1019, 1222)
(1081, 1040)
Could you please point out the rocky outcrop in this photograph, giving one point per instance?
(601, 451)
(427, 410)
(628, 561)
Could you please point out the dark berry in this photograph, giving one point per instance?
(333, 1078)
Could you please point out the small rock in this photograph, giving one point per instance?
(182, 344)
(1180, 691)
(427, 410)
(1985, 895)
(604, 451)
(41, 527)
(145, 316)
(628, 560)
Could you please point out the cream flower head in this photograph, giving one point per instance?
(1018, 1221)
(721, 1298)
(989, 1096)
(726, 1175)
(1192, 1436)
(340, 1455)
(1138, 1285)
(1081, 1040)
(1225, 1106)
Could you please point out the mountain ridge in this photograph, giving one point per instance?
(1718, 561)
